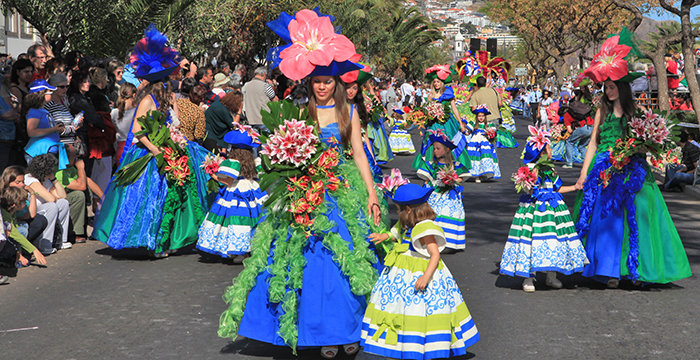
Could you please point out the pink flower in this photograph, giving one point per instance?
(539, 138)
(442, 71)
(448, 177)
(392, 182)
(314, 43)
(609, 63)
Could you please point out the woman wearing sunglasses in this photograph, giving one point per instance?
(58, 108)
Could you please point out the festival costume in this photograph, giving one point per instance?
(504, 133)
(623, 219)
(403, 323)
(482, 153)
(450, 127)
(228, 226)
(446, 200)
(381, 146)
(400, 140)
(559, 152)
(160, 212)
(605, 214)
(542, 236)
(306, 281)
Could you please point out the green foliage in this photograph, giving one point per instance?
(96, 27)
(153, 125)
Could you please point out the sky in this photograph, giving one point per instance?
(695, 12)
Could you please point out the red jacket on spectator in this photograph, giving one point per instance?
(570, 121)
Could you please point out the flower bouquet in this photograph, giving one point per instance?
(435, 112)
(298, 167)
(558, 133)
(490, 133)
(448, 177)
(418, 117)
(377, 111)
(172, 161)
(672, 157)
(392, 182)
(648, 132)
(524, 179)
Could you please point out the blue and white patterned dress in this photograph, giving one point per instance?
(403, 323)
(542, 236)
(227, 229)
(482, 154)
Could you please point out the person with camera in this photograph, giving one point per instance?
(579, 124)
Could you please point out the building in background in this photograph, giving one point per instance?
(16, 35)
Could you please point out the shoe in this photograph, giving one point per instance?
(80, 240)
(552, 280)
(4, 278)
(351, 348)
(329, 352)
(528, 285)
(52, 251)
(567, 166)
(478, 180)
(613, 283)
(66, 245)
(448, 251)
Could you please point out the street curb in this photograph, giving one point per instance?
(689, 190)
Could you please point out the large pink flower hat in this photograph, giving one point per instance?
(609, 64)
(312, 47)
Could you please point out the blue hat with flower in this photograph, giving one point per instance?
(312, 46)
(440, 137)
(536, 143)
(39, 85)
(481, 109)
(152, 59)
(242, 138)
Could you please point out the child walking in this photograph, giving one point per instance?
(416, 310)
(542, 236)
(227, 228)
(443, 174)
(480, 150)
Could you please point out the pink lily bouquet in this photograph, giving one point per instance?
(648, 132)
(211, 163)
(392, 182)
(293, 143)
(557, 131)
(490, 133)
(448, 177)
(524, 179)
(435, 112)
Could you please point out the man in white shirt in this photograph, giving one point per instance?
(407, 90)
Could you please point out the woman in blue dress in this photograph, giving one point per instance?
(333, 263)
(439, 76)
(153, 211)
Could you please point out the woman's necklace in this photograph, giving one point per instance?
(325, 106)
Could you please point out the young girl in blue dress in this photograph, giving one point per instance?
(542, 236)
(416, 310)
(446, 200)
(480, 150)
(227, 228)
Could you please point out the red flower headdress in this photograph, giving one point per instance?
(609, 64)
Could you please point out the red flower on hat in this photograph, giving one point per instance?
(442, 71)
(314, 43)
(609, 63)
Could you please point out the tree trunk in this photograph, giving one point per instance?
(661, 79)
(688, 42)
(559, 68)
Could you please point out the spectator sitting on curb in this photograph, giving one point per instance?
(685, 172)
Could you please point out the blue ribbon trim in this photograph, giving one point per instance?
(620, 194)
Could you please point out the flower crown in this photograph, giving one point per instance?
(439, 133)
(481, 108)
(392, 182)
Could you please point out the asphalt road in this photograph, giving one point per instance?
(92, 302)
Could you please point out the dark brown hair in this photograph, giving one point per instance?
(629, 107)
(126, 91)
(410, 215)
(161, 93)
(341, 110)
(9, 175)
(198, 94)
(233, 101)
(13, 196)
(359, 101)
(245, 157)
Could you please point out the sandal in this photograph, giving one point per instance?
(351, 348)
(613, 283)
(329, 352)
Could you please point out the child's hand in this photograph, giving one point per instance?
(23, 260)
(377, 238)
(422, 283)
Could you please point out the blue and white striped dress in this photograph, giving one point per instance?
(226, 231)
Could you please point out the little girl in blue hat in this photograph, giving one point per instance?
(443, 173)
(542, 236)
(227, 228)
(416, 310)
(481, 150)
